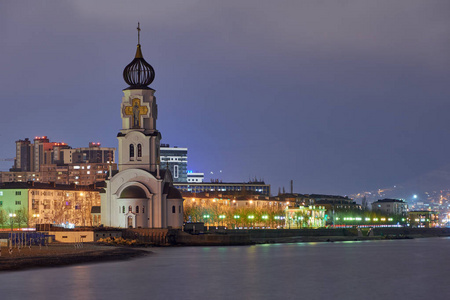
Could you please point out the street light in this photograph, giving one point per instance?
(205, 218)
(11, 220)
(236, 217)
(35, 216)
(222, 217)
(251, 217)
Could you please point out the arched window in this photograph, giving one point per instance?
(131, 151)
(123, 209)
(143, 209)
(139, 151)
(179, 209)
(130, 209)
(137, 209)
(120, 208)
(173, 209)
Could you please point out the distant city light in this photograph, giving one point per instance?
(415, 196)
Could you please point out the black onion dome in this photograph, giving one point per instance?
(138, 73)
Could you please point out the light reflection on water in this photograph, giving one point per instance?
(396, 269)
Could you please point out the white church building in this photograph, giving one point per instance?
(140, 194)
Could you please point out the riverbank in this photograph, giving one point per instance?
(274, 236)
(56, 255)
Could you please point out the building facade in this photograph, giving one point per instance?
(45, 161)
(251, 211)
(234, 187)
(176, 160)
(140, 194)
(40, 203)
(423, 219)
(391, 206)
(195, 177)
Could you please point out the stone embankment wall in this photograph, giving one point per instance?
(281, 233)
(187, 239)
(157, 237)
(426, 232)
(163, 237)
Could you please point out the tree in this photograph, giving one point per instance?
(21, 216)
(3, 217)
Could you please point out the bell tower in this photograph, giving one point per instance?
(139, 140)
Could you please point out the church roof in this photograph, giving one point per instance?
(174, 193)
(138, 74)
(133, 192)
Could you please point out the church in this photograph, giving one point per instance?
(140, 194)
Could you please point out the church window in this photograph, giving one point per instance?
(123, 209)
(173, 209)
(120, 208)
(139, 150)
(137, 209)
(179, 209)
(175, 171)
(131, 151)
(130, 209)
(143, 209)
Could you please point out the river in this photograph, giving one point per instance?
(390, 269)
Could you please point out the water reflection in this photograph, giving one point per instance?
(403, 269)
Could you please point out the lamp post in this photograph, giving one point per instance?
(11, 216)
(251, 217)
(222, 217)
(236, 217)
(205, 218)
(35, 216)
(265, 218)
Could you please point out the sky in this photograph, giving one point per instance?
(338, 96)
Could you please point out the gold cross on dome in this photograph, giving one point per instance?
(135, 110)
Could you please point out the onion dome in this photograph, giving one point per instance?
(138, 74)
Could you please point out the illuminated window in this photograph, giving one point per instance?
(175, 171)
(139, 150)
(131, 151)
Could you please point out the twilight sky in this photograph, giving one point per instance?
(340, 96)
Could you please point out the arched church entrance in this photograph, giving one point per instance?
(134, 199)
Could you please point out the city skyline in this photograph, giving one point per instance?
(339, 98)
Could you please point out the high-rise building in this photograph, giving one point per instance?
(23, 155)
(46, 161)
(176, 159)
(30, 156)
